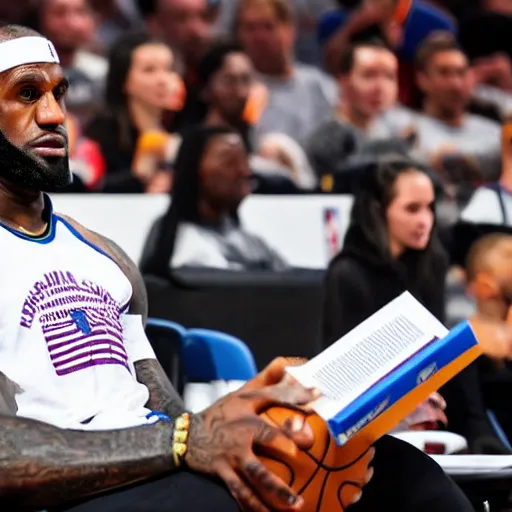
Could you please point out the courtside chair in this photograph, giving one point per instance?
(167, 339)
(214, 363)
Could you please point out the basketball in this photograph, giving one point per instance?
(327, 476)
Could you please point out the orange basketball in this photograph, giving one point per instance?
(327, 476)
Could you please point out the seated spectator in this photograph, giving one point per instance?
(115, 17)
(368, 78)
(445, 130)
(300, 97)
(226, 76)
(69, 24)
(141, 87)
(489, 280)
(404, 24)
(392, 246)
(187, 26)
(201, 227)
(492, 203)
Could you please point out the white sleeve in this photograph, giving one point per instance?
(195, 248)
(135, 340)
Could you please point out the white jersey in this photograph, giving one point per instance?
(63, 303)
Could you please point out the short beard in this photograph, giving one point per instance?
(33, 173)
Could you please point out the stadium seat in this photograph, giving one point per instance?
(215, 364)
(167, 339)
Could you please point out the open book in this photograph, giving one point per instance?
(379, 372)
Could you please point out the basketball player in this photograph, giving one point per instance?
(86, 408)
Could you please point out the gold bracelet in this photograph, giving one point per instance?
(180, 438)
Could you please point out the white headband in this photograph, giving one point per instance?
(26, 50)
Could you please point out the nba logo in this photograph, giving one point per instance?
(332, 231)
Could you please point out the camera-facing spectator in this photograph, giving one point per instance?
(368, 77)
(141, 87)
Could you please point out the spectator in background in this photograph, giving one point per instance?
(114, 18)
(392, 246)
(69, 24)
(226, 75)
(492, 202)
(403, 24)
(188, 27)
(299, 97)
(141, 86)
(489, 281)
(446, 130)
(228, 87)
(201, 227)
(368, 78)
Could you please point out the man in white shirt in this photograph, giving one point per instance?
(72, 312)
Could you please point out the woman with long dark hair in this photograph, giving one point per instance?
(141, 88)
(392, 246)
(201, 227)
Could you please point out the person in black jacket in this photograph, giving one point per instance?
(392, 246)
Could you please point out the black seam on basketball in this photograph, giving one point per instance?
(336, 468)
(318, 466)
(321, 493)
(340, 490)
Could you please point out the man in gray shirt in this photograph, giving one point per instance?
(299, 97)
(445, 128)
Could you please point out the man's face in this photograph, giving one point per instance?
(68, 23)
(446, 81)
(186, 25)
(267, 41)
(371, 88)
(33, 138)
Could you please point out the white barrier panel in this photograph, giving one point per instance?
(294, 225)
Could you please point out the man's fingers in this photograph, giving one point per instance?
(274, 372)
(247, 500)
(270, 487)
(270, 375)
(298, 430)
(287, 394)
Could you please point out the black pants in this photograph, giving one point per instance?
(405, 480)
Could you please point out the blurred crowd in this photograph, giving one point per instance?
(405, 104)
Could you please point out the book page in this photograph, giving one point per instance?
(368, 353)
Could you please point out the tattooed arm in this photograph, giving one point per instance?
(42, 466)
(162, 395)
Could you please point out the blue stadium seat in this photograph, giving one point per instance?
(212, 355)
(167, 339)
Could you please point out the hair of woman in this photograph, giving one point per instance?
(119, 65)
(184, 196)
(368, 227)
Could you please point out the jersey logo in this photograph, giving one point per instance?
(80, 322)
(80, 319)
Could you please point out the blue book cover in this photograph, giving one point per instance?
(395, 385)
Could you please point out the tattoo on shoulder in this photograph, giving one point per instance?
(139, 302)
